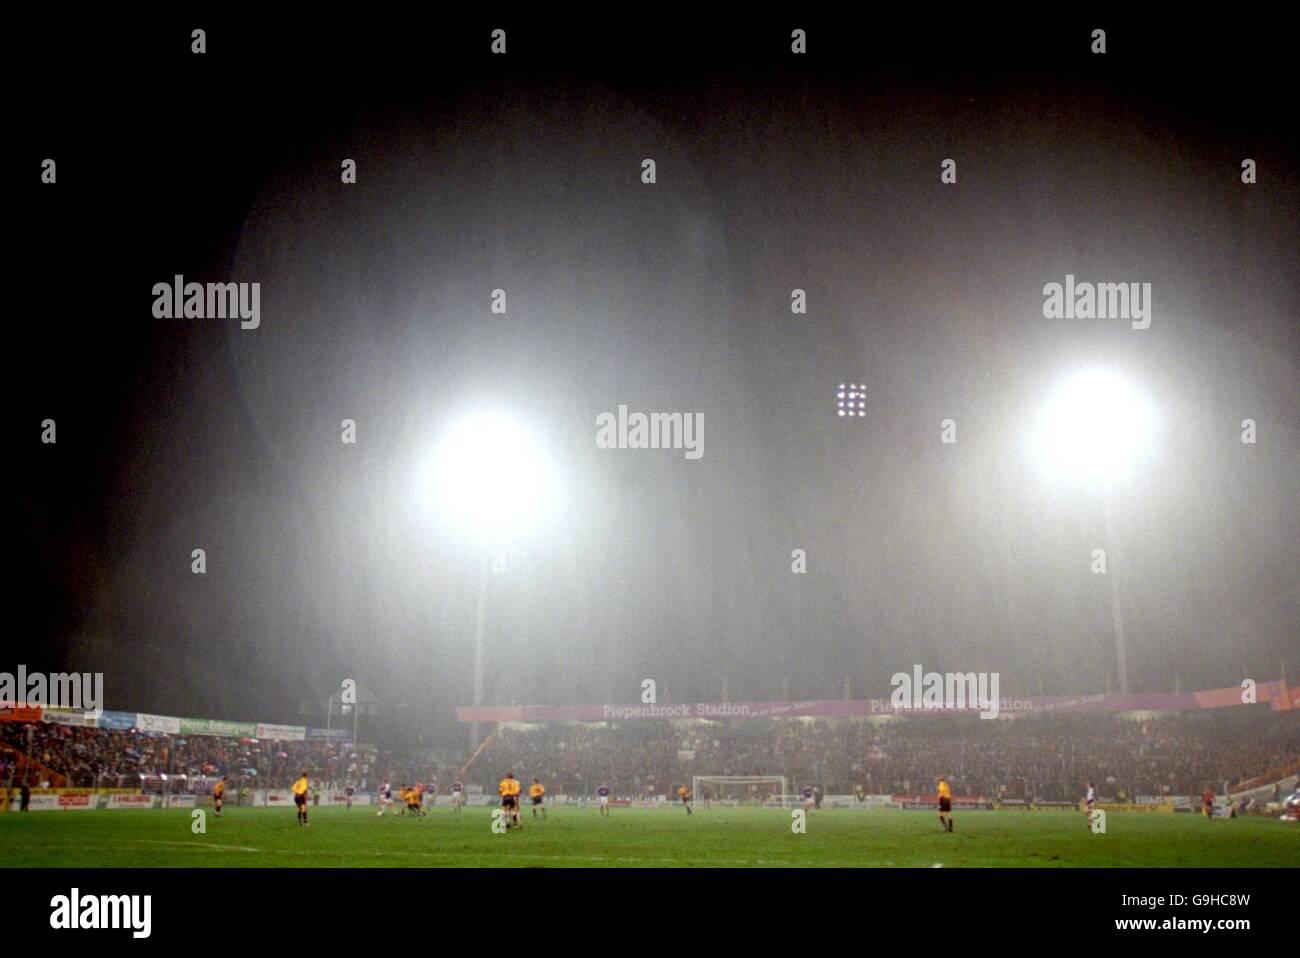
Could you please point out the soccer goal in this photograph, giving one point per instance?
(740, 789)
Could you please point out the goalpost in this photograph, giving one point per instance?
(741, 788)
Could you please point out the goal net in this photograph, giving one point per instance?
(741, 789)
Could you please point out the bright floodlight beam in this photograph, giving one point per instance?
(489, 475)
(1094, 432)
(489, 479)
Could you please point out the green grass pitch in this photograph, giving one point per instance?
(579, 837)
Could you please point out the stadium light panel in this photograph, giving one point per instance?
(851, 400)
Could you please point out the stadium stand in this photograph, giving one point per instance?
(1028, 757)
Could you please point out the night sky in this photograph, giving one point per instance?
(522, 172)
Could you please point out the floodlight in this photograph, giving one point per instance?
(488, 474)
(1095, 430)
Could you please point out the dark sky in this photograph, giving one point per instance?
(774, 172)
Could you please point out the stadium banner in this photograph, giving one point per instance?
(838, 800)
(13, 712)
(117, 721)
(62, 716)
(1272, 691)
(194, 726)
(132, 801)
(57, 800)
(78, 802)
(157, 723)
(281, 733)
(328, 735)
(37, 803)
(277, 797)
(1163, 807)
(181, 800)
(1178, 801)
(970, 802)
(341, 798)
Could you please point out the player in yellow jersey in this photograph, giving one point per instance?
(684, 793)
(945, 804)
(414, 797)
(536, 793)
(509, 789)
(219, 795)
(300, 790)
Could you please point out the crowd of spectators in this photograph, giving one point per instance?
(1044, 757)
(105, 758)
